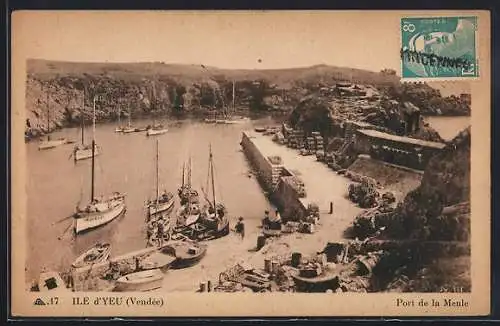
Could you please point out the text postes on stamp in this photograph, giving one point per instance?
(439, 47)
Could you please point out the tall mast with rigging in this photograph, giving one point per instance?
(211, 166)
(48, 113)
(82, 117)
(157, 171)
(93, 152)
(234, 94)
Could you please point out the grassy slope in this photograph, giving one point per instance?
(191, 73)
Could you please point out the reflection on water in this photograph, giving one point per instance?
(448, 127)
(127, 164)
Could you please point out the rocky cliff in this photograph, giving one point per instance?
(62, 89)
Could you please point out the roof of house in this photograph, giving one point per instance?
(400, 139)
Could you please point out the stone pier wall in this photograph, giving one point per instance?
(268, 173)
(275, 179)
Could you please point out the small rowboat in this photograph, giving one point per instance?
(157, 260)
(97, 254)
(140, 281)
(51, 281)
(186, 254)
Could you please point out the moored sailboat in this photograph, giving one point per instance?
(99, 211)
(160, 203)
(214, 217)
(155, 129)
(190, 208)
(50, 143)
(84, 151)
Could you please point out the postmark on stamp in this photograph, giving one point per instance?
(439, 47)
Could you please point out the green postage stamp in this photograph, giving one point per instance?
(439, 47)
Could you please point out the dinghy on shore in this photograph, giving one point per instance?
(140, 281)
(95, 255)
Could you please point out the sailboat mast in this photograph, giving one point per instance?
(234, 91)
(48, 114)
(93, 153)
(183, 169)
(81, 114)
(157, 171)
(212, 173)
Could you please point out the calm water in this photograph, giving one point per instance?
(448, 127)
(127, 164)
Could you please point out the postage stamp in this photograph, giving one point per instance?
(439, 47)
(238, 164)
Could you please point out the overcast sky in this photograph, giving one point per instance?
(223, 39)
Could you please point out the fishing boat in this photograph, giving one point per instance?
(209, 223)
(186, 254)
(84, 151)
(160, 203)
(51, 281)
(50, 143)
(95, 255)
(190, 207)
(99, 211)
(140, 281)
(214, 218)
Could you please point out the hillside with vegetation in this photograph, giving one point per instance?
(67, 89)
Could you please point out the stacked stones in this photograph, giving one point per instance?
(310, 144)
(318, 140)
(276, 169)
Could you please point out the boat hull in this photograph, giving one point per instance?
(102, 256)
(86, 221)
(140, 282)
(85, 153)
(48, 144)
(155, 132)
(160, 207)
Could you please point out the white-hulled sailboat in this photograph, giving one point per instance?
(229, 118)
(129, 128)
(50, 143)
(155, 129)
(162, 202)
(120, 128)
(84, 151)
(99, 211)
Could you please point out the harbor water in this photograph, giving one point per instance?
(56, 185)
(448, 127)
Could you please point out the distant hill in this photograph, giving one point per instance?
(186, 74)
(170, 88)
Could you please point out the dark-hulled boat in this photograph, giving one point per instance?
(186, 254)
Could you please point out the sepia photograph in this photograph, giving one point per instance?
(252, 153)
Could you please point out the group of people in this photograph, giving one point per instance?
(157, 230)
(272, 223)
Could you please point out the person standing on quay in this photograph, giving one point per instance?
(240, 228)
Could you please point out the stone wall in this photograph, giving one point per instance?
(267, 172)
(274, 178)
